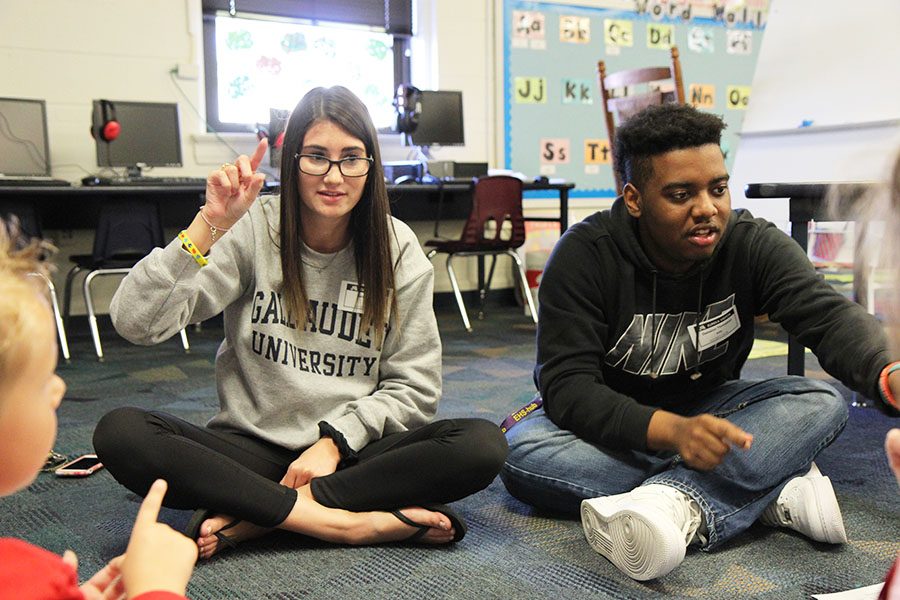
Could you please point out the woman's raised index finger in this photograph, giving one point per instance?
(259, 153)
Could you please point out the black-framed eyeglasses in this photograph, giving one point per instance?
(318, 165)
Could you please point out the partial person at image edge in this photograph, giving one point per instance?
(158, 560)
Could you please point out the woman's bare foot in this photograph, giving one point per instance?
(209, 543)
(389, 528)
(344, 527)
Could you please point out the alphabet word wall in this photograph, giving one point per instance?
(553, 113)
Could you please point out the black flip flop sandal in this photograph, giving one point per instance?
(192, 530)
(220, 535)
(459, 526)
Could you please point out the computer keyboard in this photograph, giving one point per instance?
(154, 181)
(32, 182)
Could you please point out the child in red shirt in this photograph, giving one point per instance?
(158, 561)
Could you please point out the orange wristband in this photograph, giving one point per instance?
(884, 387)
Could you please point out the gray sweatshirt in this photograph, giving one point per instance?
(277, 381)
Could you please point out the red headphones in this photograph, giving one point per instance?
(108, 128)
(274, 142)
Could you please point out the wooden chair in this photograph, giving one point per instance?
(619, 102)
(495, 227)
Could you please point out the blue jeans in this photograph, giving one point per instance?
(792, 419)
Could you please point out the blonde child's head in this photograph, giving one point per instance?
(30, 391)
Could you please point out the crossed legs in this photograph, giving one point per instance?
(792, 420)
(237, 476)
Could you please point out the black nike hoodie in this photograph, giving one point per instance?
(618, 339)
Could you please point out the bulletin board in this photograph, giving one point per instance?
(553, 114)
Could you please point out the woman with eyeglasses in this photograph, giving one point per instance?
(329, 375)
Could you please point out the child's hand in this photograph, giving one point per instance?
(106, 584)
(158, 557)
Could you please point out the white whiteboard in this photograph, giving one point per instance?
(836, 66)
(828, 62)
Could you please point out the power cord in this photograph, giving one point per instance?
(76, 165)
(34, 152)
(209, 127)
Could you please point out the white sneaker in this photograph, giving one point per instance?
(644, 532)
(807, 504)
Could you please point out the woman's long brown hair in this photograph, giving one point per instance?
(370, 226)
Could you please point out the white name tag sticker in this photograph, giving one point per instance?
(351, 298)
(715, 330)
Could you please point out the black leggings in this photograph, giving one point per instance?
(238, 474)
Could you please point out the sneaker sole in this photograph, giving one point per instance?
(830, 518)
(643, 545)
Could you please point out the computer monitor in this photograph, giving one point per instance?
(24, 150)
(278, 119)
(439, 119)
(149, 135)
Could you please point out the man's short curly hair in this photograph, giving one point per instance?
(657, 130)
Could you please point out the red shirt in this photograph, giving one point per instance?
(28, 572)
(891, 589)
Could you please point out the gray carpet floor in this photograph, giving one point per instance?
(510, 551)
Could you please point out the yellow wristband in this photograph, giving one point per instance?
(188, 245)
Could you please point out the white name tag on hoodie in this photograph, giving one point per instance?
(715, 330)
(351, 298)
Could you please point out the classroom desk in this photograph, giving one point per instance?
(453, 201)
(807, 202)
(78, 207)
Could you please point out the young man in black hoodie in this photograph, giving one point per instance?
(646, 318)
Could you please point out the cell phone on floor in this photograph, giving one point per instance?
(82, 466)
